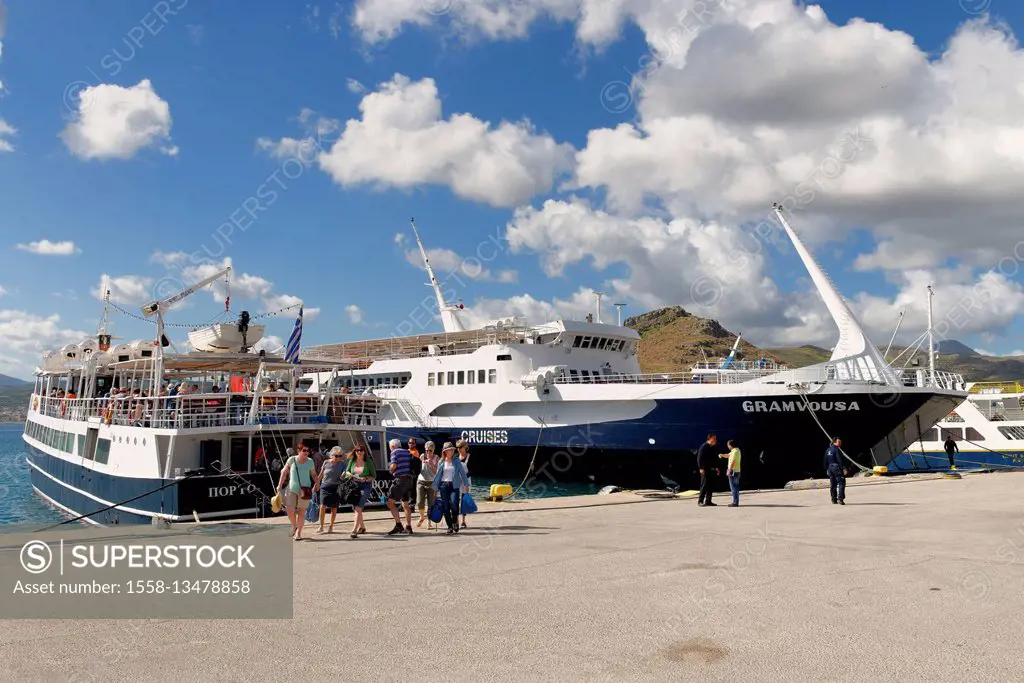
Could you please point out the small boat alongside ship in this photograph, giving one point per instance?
(988, 429)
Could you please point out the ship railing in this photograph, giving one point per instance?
(917, 377)
(813, 374)
(229, 409)
(997, 388)
(666, 378)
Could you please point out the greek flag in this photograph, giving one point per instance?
(291, 354)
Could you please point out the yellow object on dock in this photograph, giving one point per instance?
(499, 491)
(687, 494)
(880, 469)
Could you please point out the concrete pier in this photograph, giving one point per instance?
(913, 580)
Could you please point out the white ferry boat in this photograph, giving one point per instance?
(567, 398)
(110, 437)
(988, 429)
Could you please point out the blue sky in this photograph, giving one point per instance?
(233, 73)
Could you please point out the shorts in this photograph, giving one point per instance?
(329, 496)
(292, 500)
(402, 489)
(425, 494)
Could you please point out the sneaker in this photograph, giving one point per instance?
(842, 502)
(734, 505)
(834, 502)
(397, 530)
(451, 530)
(711, 505)
(408, 530)
(700, 505)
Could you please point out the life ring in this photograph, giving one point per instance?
(63, 408)
(35, 404)
(108, 415)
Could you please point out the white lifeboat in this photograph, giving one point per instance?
(121, 352)
(69, 353)
(141, 349)
(53, 360)
(225, 338)
(86, 348)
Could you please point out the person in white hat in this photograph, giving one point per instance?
(451, 477)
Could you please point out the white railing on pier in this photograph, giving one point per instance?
(198, 411)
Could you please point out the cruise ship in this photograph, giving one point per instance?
(129, 433)
(988, 429)
(566, 400)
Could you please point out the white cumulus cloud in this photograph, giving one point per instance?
(114, 122)
(48, 248)
(403, 141)
(355, 314)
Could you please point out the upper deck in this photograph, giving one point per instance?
(574, 333)
(249, 396)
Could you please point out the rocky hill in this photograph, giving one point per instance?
(673, 339)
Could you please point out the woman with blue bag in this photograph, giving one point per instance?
(449, 481)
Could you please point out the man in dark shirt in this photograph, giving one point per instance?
(951, 448)
(707, 460)
(836, 472)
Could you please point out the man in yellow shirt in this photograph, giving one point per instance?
(733, 472)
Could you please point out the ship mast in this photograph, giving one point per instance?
(931, 338)
(854, 356)
(449, 317)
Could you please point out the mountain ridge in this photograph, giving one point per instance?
(673, 340)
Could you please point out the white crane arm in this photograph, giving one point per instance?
(154, 307)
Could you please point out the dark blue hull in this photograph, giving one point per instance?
(921, 461)
(779, 439)
(82, 491)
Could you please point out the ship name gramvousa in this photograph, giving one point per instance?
(792, 406)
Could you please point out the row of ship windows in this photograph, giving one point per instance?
(65, 441)
(381, 381)
(462, 377)
(599, 343)
(969, 433)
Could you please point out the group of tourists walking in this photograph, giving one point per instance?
(347, 479)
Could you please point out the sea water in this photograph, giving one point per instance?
(19, 504)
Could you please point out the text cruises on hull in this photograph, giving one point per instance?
(569, 397)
